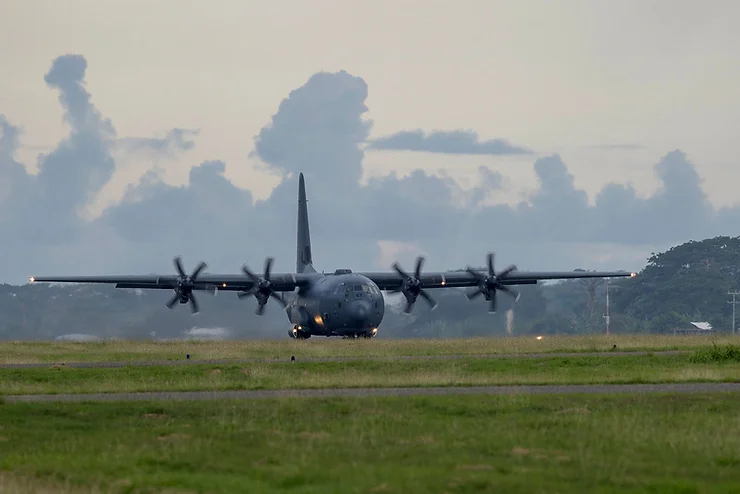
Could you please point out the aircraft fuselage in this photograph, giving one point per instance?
(346, 304)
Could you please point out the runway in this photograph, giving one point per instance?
(381, 392)
(186, 361)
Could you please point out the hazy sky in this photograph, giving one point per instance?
(559, 134)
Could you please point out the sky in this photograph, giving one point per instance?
(561, 135)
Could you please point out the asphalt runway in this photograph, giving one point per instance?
(378, 392)
(184, 361)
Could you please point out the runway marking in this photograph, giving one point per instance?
(151, 363)
(378, 392)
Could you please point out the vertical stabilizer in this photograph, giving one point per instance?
(304, 260)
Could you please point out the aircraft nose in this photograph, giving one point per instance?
(359, 310)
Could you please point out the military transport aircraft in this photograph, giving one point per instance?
(342, 303)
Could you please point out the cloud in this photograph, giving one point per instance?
(446, 142)
(320, 129)
(176, 140)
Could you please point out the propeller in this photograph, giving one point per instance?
(186, 285)
(262, 289)
(490, 283)
(411, 286)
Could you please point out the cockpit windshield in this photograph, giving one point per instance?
(359, 287)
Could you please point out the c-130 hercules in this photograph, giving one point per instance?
(340, 304)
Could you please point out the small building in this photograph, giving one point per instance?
(695, 328)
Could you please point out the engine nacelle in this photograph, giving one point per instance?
(299, 316)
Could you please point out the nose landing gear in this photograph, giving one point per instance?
(298, 334)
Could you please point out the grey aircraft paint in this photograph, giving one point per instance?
(341, 303)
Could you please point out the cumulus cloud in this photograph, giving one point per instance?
(320, 129)
(446, 142)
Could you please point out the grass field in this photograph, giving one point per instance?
(456, 444)
(595, 444)
(713, 367)
(49, 352)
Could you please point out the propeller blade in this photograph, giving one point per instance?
(260, 309)
(419, 264)
(473, 272)
(279, 299)
(432, 303)
(242, 295)
(197, 271)
(171, 303)
(474, 294)
(506, 271)
(400, 271)
(268, 267)
(249, 273)
(491, 272)
(492, 306)
(178, 266)
(194, 304)
(510, 291)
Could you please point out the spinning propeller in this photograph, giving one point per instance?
(186, 285)
(262, 288)
(488, 284)
(411, 286)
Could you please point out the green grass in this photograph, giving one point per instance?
(48, 352)
(726, 353)
(372, 373)
(460, 444)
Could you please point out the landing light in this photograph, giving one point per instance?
(539, 337)
(224, 285)
(31, 279)
(318, 319)
(375, 330)
(632, 275)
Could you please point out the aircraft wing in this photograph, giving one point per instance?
(279, 282)
(395, 279)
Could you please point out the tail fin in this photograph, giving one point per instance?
(304, 260)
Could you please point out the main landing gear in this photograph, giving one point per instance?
(298, 334)
(359, 335)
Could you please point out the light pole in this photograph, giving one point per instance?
(733, 302)
(606, 316)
